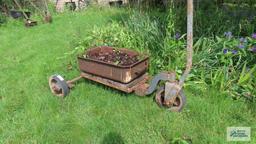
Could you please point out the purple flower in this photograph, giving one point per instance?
(241, 46)
(253, 49)
(243, 40)
(234, 52)
(225, 51)
(177, 36)
(254, 35)
(228, 34)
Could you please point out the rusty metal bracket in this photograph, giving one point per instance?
(128, 88)
(172, 90)
(163, 76)
(71, 82)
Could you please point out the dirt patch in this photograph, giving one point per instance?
(116, 57)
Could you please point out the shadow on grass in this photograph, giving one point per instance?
(112, 138)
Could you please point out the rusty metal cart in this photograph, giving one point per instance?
(134, 77)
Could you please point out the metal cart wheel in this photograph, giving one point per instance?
(58, 86)
(176, 106)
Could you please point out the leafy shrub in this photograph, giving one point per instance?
(144, 34)
(227, 63)
(3, 19)
(224, 62)
(210, 20)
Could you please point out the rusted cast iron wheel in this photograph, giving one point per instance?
(175, 106)
(58, 86)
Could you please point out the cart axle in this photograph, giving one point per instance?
(170, 95)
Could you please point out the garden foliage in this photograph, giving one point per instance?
(221, 59)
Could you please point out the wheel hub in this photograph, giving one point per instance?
(171, 97)
(58, 86)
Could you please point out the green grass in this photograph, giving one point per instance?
(93, 113)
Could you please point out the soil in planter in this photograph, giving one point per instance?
(115, 57)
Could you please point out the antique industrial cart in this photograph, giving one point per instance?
(133, 77)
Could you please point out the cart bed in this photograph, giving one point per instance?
(122, 74)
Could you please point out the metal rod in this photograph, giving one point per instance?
(189, 42)
(74, 80)
(46, 6)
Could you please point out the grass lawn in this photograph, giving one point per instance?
(93, 113)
